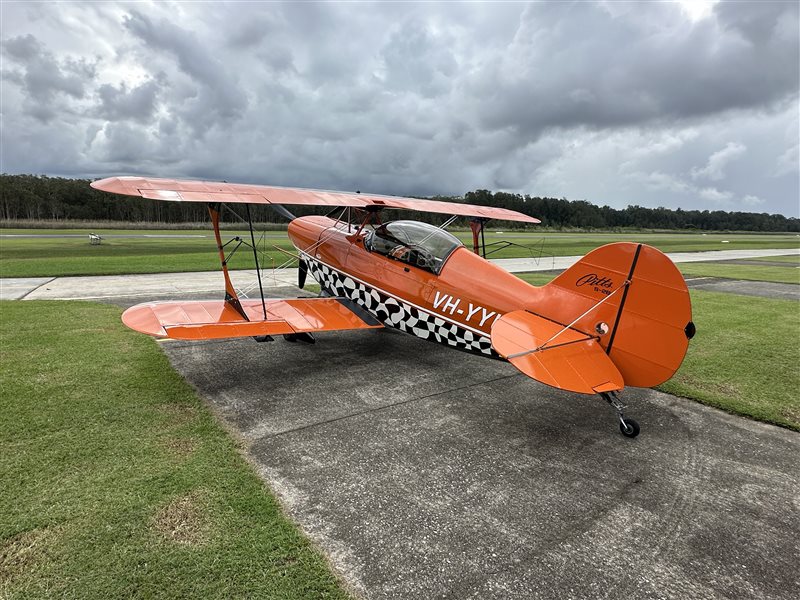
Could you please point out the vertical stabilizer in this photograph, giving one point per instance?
(645, 326)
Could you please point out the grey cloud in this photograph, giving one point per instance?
(43, 77)
(757, 21)
(278, 58)
(51, 150)
(119, 103)
(124, 143)
(717, 162)
(250, 32)
(560, 72)
(788, 162)
(23, 48)
(124, 147)
(616, 103)
(222, 95)
(41, 112)
(167, 126)
(416, 61)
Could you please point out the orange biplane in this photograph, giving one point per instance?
(620, 316)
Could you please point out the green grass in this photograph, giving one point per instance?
(745, 357)
(536, 278)
(752, 272)
(578, 244)
(117, 482)
(793, 259)
(51, 257)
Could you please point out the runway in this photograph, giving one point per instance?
(181, 284)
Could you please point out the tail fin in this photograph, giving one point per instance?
(645, 327)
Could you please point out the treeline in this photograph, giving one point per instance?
(559, 212)
(36, 197)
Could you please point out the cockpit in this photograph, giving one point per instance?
(418, 244)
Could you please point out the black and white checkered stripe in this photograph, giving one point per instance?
(393, 312)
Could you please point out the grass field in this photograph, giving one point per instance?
(751, 270)
(793, 259)
(745, 358)
(117, 482)
(49, 257)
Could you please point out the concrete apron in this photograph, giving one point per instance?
(426, 472)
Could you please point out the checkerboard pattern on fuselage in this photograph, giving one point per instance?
(393, 312)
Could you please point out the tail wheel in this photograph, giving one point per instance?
(629, 428)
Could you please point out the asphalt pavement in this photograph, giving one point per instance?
(424, 472)
(762, 289)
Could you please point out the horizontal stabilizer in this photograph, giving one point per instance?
(212, 319)
(554, 354)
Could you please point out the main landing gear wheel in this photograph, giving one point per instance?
(629, 428)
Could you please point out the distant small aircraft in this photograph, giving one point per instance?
(620, 316)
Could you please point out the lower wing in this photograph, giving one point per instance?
(214, 319)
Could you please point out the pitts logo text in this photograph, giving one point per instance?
(600, 284)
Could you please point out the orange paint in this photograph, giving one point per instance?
(649, 340)
(210, 319)
(620, 316)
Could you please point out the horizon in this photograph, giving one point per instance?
(462, 196)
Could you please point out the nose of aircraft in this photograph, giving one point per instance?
(305, 231)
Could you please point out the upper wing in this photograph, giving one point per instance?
(211, 319)
(213, 191)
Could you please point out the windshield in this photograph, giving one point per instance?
(418, 244)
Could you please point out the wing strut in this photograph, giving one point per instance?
(478, 240)
(231, 297)
(255, 256)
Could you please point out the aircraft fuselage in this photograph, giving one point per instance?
(456, 307)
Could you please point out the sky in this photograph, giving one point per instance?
(691, 104)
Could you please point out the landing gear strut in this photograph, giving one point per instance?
(628, 427)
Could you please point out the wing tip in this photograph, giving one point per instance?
(116, 185)
(142, 318)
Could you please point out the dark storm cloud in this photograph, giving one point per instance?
(558, 72)
(615, 102)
